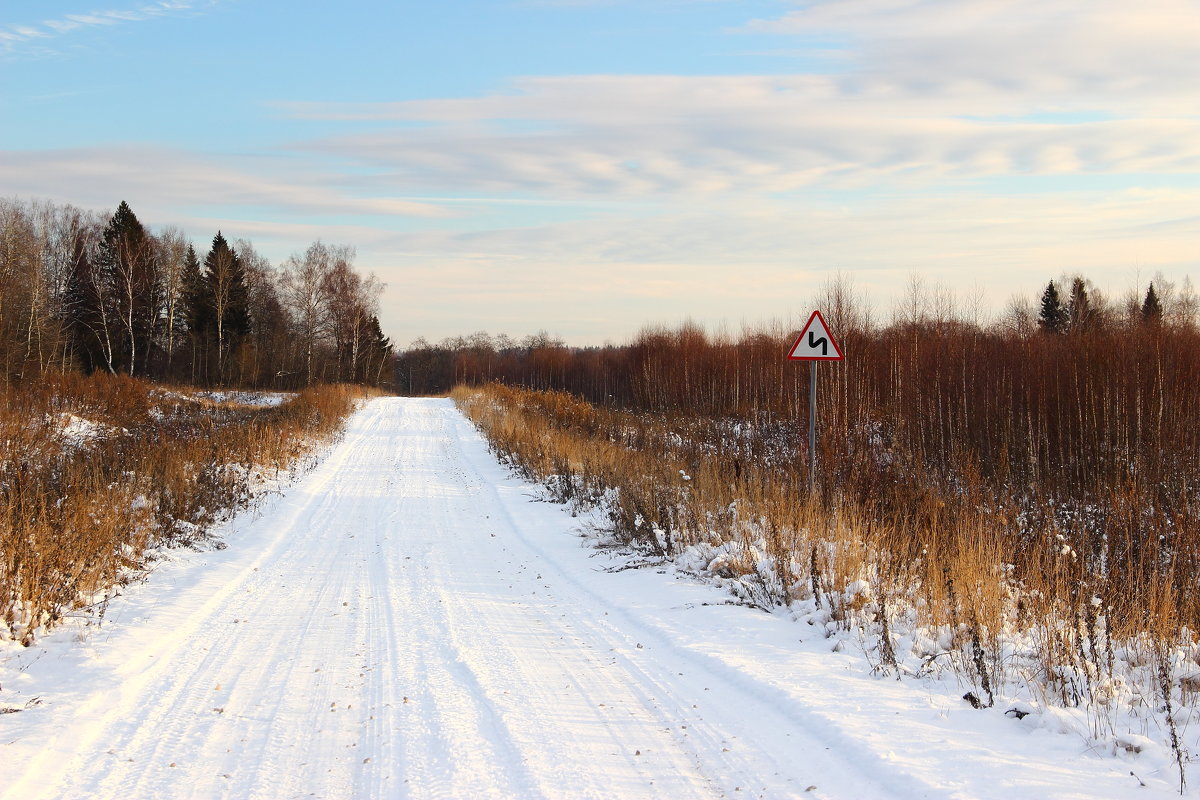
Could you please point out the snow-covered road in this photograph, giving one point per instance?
(407, 621)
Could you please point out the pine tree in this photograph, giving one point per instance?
(1053, 315)
(1152, 312)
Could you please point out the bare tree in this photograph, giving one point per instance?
(61, 231)
(100, 291)
(303, 290)
(18, 294)
(353, 300)
(1019, 317)
(843, 306)
(171, 245)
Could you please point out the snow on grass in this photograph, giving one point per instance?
(412, 620)
(1058, 664)
(75, 431)
(256, 399)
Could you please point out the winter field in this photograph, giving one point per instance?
(411, 620)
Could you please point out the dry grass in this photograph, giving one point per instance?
(997, 591)
(83, 507)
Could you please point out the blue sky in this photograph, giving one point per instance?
(586, 167)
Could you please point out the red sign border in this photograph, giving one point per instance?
(804, 330)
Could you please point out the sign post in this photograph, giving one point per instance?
(815, 343)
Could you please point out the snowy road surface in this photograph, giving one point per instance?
(408, 622)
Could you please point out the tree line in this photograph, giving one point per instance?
(1079, 313)
(645, 373)
(82, 290)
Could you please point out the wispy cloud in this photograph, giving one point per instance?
(99, 176)
(928, 92)
(1060, 51)
(12, 35)
(646, 135)
(639, 3)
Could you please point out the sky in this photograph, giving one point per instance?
(588, 167)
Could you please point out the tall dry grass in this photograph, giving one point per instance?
(1006, 590)
(96, 472)
(1076, 455)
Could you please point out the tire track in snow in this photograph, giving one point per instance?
(469, 752)
(405, 629)
(726, 743)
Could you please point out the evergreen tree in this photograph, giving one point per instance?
(1053, 315)
(89, 311)
(377, 354)
(197, 310)
(126, 267)
(1152, 312)
(225, 280)
(1080, 314)
(197, 313)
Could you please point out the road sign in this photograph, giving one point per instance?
(815, 342)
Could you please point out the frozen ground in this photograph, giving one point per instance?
(408, 621)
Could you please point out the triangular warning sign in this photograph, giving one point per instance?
(815, 342)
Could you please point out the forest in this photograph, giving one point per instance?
(81, 290)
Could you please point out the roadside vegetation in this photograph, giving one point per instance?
(1013, 502)
(100, 469)
(100, 473)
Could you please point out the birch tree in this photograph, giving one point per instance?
(304, 294)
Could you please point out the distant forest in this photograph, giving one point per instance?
(689, 370)
(86, 291)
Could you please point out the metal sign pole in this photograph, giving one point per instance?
(812, 345)
(812, 426)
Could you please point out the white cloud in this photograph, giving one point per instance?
(1066, 52)
(929, 91)
(645, 135)
(14, 34)
(754, 189)
(172, 179)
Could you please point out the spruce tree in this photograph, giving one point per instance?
(225, 280)
(378, 352)
(125, 283)
(1152, 312)
(1053, 315)
(196, 310)
(89, 311)
(197, 313)
(1080, 314)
